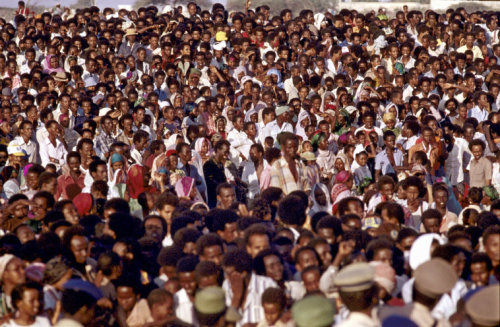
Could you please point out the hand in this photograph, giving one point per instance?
(345, 248)
(237, 286)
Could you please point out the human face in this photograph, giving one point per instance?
(290, 149)
(223, 153)
(79, 245)
(274, 267)
(390, 141)
(311, 280)
(479, 274)
(70, 213)
(492, 248)
(362, 159)
(166, 213)
(230, 233)
(25, 234)
(384, 255)
(39, 207)
(306, 259)
(14, 272)
(320, 196)
(185, 155)
(30, 303)
(339, 165)
(154, 229)
(32, 180)
(458, 263)
(27, 131)
(126, 297)
(441, 198)
(272, 313)
(187, 281)
(101, 173)
(226, 197)
(161, 311)
(431, 225)
(74, 164)
(212, 253)
(324, 253)
(387, 190)
(257, 243)
(477, 151)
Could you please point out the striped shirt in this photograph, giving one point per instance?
(282, 177)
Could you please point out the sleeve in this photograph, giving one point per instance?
(378, 163)
(487, 169)
(44, 156)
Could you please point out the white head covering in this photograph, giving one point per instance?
(420, 251)
(318, 19)
(316, 207)
(299, 130)
(4, 261)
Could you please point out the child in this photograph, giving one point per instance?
(310, 278)
(274, 304)
(359, 167)
(141, 139)
(161, 304)
(385, 186)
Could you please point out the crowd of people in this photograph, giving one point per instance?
(178, 166)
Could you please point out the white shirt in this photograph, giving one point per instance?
(478, 113)
(382, 161)
(39, 322)
(31, 148)
(184, 309)
(48, 151)
(250, 177)
(272, 129)
(253, 311)
(237, 139)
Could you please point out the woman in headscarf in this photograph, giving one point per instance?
(52, 65)
(342, 123)
(10, 183)
(302, 122)
(277, 77)
(342, 188)
(117, 178)
(137, 183)
(186, 189)
(220, 124)
(324, 157)
(83, 203)
(203, 147)
(320, 199)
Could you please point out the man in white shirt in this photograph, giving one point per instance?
(52, 150)
(24, 141)
(253, 169)
(479, 111)
(389, 160)
(279, 125)
(237, 138)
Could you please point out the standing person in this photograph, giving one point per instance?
(26, 301)
(213, 170)
(287, 172)
(11, 275)
(252, 170)
(391, 159)
(52, 149)
(480, 167)
(24, 141)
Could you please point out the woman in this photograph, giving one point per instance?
(324, 157)
(52, 65)
(203, 147)
(186, 189)
(10, 183)
(343, 123)
(117, 166)
(83, 203)
(342, 188)
(302, 122)
(320, 199)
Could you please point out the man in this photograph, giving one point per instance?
(213, 170)
(469, 45)
(97, 172)
(391, 159)
(104, 140)
(432, 279)
(184, 298)
(313, 308)
(226, 196)
(482, 108)
(243, 287)
(279, 125)
(23, 140)
(185, 155)
(52, 149)
(70, 135)
(210, 308)
(358, 292)
(237, 138)
(252, 170)
(287, 173)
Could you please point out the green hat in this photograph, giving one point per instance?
(210, 300)
(313, 311)
(355, 277)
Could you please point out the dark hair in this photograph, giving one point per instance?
(376, 245)
(207, 240)
(18, 292)
(291, 210)
(74, 300)
(47, 196)
(274, 295)
(432, 214)
(480, 257)
(239, 259)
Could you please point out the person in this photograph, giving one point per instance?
(26, 301)
(313, 310)
(274, 304)
(213, 170)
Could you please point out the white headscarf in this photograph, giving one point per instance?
(299, 130)
(420, 251)
(318, 19)
(316, 207)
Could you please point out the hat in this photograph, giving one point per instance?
(6, 91)
(55, 269)
(417, 169)
(210, 300)
(130, 31)
(388, 116)
(483, 307)
(4, 261)
(219, 45)
(385, 275)
(194, 71)
(350, 109)
(355, 277)
(309, 156)
(220, 36)
(371, 222)
(16, 150)
(83, 286)
(435, 277)
(313, 311)
(200, 99)
(397, 321)
(420, 250)
(281, 110)
(60, 77)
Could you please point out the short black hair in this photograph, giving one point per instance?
(291, 210)
(239, 259)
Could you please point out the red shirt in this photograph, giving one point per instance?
(68, 188)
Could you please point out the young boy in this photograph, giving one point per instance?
(274, 304)
(140, 140)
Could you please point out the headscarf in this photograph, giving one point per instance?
(340, 189)
(248, 115)
(342, 177)
(340, 129)
(274, 71)
(49, 69)
(420, 250)
(238, 71)
(199, 143)
(83, 204)
(318, 19)
(115, 177)
(299, 130)
(316, 207)
(344, 159)
(135, 180)
(4, 262)
(490, 192)
(184, 186)
(317, 139)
